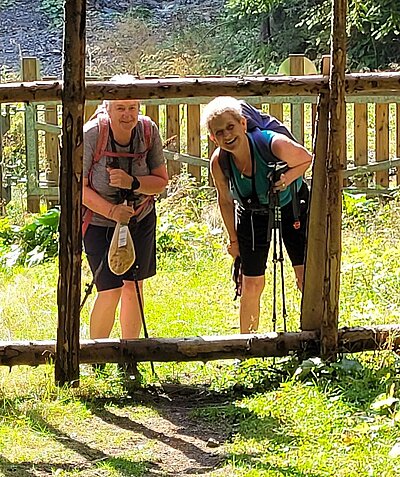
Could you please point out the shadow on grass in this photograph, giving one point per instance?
(194, 449)
(92, 456)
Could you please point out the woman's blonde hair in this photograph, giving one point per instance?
(218, 106)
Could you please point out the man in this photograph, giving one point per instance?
(119, 187)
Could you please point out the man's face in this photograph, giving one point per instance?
(123, 114)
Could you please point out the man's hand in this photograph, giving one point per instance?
(121, 213)
(119, 178)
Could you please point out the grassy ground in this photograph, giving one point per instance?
(265, 417)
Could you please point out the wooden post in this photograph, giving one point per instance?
(276, 109)
(69, 282)
(296, 63)
(360, 139)
(30, 72)
(193, 137)
(336, 156)
(398, 139)
(173, 129)
(52, 149)
(382, 141)
(153, 112)
(312, 301)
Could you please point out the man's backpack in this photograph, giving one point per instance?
(103, 122)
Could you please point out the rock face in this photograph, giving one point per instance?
(27, 29)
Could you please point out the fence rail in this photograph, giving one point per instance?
(175, 104)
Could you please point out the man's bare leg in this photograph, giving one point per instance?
(103, 313)
(130, 319)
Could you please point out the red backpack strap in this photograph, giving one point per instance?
(102, 140)
(147, 131)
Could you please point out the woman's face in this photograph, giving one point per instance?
(123, 115)
(228, 132)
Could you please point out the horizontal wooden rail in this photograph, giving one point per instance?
(365, 83)
(206, 348)
(373, 167)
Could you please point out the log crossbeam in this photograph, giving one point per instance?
(207, 348)
(164, 88)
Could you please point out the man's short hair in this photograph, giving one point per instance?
(119, 79)
(218, 106)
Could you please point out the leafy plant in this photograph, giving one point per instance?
(32, 243)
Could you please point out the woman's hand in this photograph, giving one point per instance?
(233, 248)
(119, 178)
(281, 185)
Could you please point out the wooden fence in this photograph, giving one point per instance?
(373, 135)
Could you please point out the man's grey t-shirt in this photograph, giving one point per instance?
(137, 166)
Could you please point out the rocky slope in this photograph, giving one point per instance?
(27, 30)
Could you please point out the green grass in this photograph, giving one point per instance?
(340, 420)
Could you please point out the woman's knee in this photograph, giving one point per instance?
(253, 286)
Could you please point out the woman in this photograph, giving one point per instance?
(243, 173)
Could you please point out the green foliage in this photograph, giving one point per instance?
(31, 243)
(303, 26)
(188, 220)
(13, 148)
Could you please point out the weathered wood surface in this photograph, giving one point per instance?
(70, 262)
(363, 83)
(207, 348)
(372, 167)
(312, 304)
(335, 163)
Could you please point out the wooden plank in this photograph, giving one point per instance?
(90, 109)
(164, 88)
(360, 139)
(335, 162)
(173, 129)
(398, 139)
(154, 113)
(52, 146)
(312, 305)
(30, 72)
(70, 257)
(193, 137)
(382, 141)
(276, 110)
(202, 348)
(296, 64)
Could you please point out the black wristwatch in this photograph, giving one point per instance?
(135, 183)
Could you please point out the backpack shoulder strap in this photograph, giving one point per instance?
(223, 161)
(147, 131)
(102, 139)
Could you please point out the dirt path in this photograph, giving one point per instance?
(156, 430)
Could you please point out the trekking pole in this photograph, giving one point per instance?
(280, 259)
(89, 287)
(146, 334)
(272, 236)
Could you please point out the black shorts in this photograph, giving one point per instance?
(97, 242)
(252, 232)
